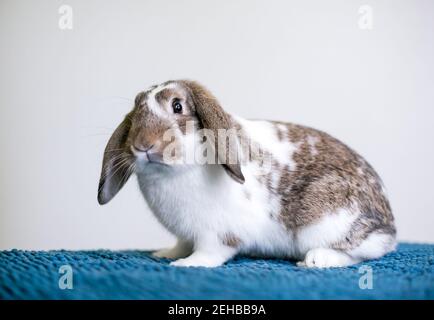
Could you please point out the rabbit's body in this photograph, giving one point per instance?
(207, 218)
(315, 200)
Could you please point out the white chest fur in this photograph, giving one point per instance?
(203, 203)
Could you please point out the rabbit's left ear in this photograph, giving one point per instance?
(213, 117)
(116, 163)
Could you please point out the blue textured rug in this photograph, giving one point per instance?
(407, 273)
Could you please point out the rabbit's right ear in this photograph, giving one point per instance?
(116, 163)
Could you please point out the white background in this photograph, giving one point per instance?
(62, 92)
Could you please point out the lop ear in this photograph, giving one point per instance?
(116, 163)
(213, 117)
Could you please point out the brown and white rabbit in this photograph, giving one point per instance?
(316, 200)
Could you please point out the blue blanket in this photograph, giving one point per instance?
(407, 273)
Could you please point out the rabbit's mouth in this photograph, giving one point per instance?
(147, 156)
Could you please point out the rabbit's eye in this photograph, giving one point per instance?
(177, 106)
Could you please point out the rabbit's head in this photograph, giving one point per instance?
(162, 131)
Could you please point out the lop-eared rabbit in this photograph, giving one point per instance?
(269, 189)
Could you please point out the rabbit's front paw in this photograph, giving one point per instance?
(209, 259)
(196, 261)
(326, 258)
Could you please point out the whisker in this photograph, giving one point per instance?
(118, 167)
(119, 163)
(118, 156)
(127, 173)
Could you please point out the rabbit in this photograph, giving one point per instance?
(293, 193)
